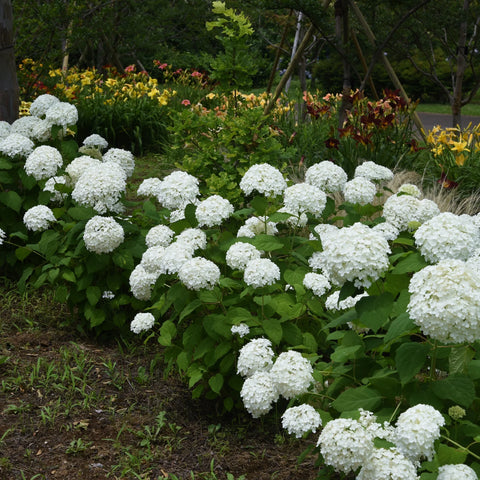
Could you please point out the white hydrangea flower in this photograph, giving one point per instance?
(399, 210)
(101, 187)
(141, 282)
(300, 420)
(256, 225)
(149, 187)
(199, 273)
(447, 236)
(385, 464)
(176, 215)
(316, 282)
(242, 330)
(322, 229)
(5, 128)
(261, 272)
(445, 301)
(292, 374)
(426, 210)
(416, 431)
(41, 104)
(389, 231)
(177, 190)
(78, 166)
(50, 187)
(152, 259)
(142, 322)
(41, 130)
(332, 303)
(326, 176)
(239, 254)
(258, 394)
(102, 234)
(304, 198)
(24, 126)
(263, 178)
(456, 472)
(124, 158)
(410, 189)
(16, 145)
(212, 211)
(192, 239)
(359, 190)
(255, 356)
(174, 256)
(62, 114)
(43, 162)
(357, 254)
(38, 218)
(3, 236)
(296, 220)
(373, 171)
(95, 141)
(159, 235)
(108, 295)
(345, 444)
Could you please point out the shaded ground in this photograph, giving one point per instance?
(430, 120)
(72, 409)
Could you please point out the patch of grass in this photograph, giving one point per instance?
(470, 109)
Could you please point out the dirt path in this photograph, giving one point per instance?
(429, 120)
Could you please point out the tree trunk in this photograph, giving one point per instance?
(9, 101)
(341, 32)
(460, 70)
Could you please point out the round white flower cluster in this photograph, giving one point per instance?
(255, 356)
(101, 187)
(242, 330)
(410, 189)
(300, 420)
(78, 166)
(124, 158)
(5, 129)
(359, 190)
(177, 190)
(456, 472)
(445, 301)
(345, 444)
(41, 104)
(102, 234)
(152, 259)
(3, 236)
(16, 144)
(174, 256)
(38, 218)
(159, 235)
(192, 239)
(400, 210)
(426, 210)
(261, 272)
(292, 374)
(373, 171)
(326, 176)
(295, 220)
(62, 114)
(256, 225)
(388, 463)
(141, 282)
(213, 211)
(95, 141)
(304, 198)
(259, 393)
(239, 254)
(43, 162)
(199, 273)
(447, 236)
(322, 230)
(332, 303)
(388, 230)
(50, 187)
(416, 431)
(263, 178)
(149, 187)
(24, 126)
(316, 282)
(357, 254)
(142, 322)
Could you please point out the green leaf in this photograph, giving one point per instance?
(190, 216)
(192, 306)
(273, 329)
(5, 164)
(93, 295)
(260, 204)
(410, 264)
(236, 315)
(81, 213)
(448, 455)
(216, 382)
(459, 358)
(410, 359)
(402, 325)
(348, 290)
(457, 388)
(61, 294)
(22, 253)
(374, 310)
(168, 330)
(11, 199)
(355, 398)
(343, 353)
(267, 243)
(123, 259)
(69, 276)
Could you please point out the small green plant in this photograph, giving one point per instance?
(77, 446)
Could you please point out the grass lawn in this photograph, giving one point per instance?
(471, 109)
